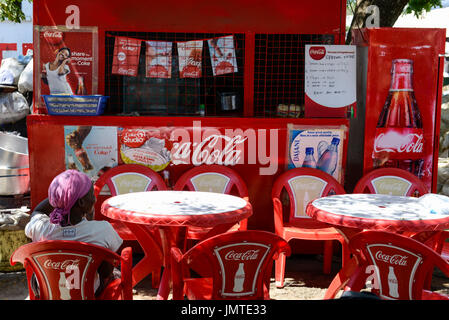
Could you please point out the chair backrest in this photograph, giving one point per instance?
(240, 262)
(212, 178)
(392, 181)
(125, 179)
(65, 270)
(302, 186)
(397, 265)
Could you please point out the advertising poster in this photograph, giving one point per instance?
(126, 56)
(190, 57)
(145, 146)
(66, 61)
(222, 55)
(320, 148)
(158, 59)
(330, 80)
(90, 149)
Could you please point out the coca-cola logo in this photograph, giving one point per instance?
(317, 53)
(206, 153)
(53, 37)
(395, 259)
(411, 143)
(134, 138)
(242, 256)
(60, 265)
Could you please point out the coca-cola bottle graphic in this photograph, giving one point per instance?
(309, 160)
(327, 161)
(64, 291)
(392, 283)
(81, 89)
(399, 137)
(239, 278)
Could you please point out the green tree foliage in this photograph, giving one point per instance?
(11, 10)
(389, 11)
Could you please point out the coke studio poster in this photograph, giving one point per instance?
(66, 61)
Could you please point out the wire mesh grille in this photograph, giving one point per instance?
(278, 77)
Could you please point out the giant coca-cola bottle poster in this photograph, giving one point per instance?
(66, 61)
(402, 108)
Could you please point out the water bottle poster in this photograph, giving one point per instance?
(320, 148)
(90, 149)
(65, 61)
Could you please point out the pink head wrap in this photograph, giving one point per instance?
(65, 189)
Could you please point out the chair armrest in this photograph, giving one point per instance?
(176, 273)
(126, 271)
(278, 216)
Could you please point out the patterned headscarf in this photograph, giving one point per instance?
(65, 189)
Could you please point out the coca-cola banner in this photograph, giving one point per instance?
(158, 59)
(159, 147)
(317, 147)
(66, 61)
(126, 56)
(330, 80)
(190, 58)
(222, 55)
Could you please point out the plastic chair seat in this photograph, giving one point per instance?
(313, 231)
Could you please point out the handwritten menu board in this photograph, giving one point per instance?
(330, 80)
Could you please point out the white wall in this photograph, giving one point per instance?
(18, 33)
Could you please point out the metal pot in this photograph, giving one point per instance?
(14, 181)
(13, 151)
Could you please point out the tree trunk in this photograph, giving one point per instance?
(389, 12)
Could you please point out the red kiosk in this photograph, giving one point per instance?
(168, 117)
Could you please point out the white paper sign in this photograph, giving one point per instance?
(330, 74)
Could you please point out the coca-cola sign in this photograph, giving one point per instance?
(395, 259)
(53, 37)
(317, 53)
(60, 265)
(242, 256)
(402, 144)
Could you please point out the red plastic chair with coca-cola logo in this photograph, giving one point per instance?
(240, 265)
(212, 178)
(125, 179)
(300, 186)
(396, 267)
(66, 270)
(392, 181)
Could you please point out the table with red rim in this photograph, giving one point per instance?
(352, 213)
(172, 212)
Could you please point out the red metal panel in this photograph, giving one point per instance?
(266, 16)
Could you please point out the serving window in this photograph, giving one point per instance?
(276, 83)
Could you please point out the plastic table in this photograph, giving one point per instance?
(351, 213)
(172, 212)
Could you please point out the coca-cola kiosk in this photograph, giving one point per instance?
(399, 101)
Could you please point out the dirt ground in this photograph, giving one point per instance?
(304, 280)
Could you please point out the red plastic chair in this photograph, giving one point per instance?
(240, 265)
(65, 270)
(302, 186)
(396, 266)
(212, 178)
(393, 181)
(125, 179)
